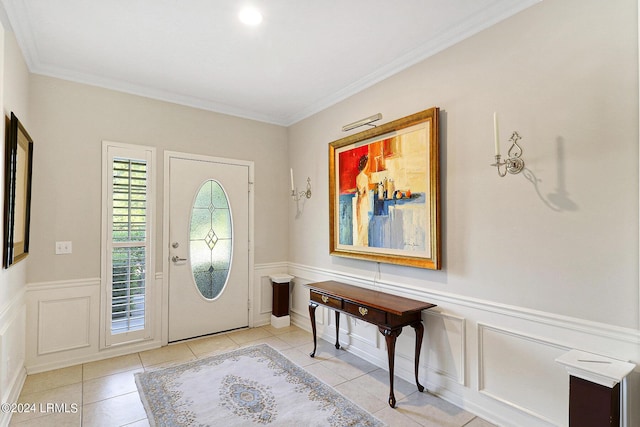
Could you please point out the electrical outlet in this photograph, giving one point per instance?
(63, 248)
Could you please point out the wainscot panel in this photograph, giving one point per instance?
(520, 370)
(64, 324)
(444, 345)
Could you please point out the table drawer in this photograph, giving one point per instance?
(327, 300)
(366, 313)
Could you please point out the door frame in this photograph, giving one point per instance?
(168, 155)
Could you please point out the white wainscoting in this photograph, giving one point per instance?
(63, 320)
(494, 360)
(63, 324)
(12, 333)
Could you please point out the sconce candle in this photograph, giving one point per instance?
(292, 186)
(496, 135)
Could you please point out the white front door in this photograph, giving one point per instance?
(208, 246)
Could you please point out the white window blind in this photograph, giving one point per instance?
(127, 171)
(128, 268)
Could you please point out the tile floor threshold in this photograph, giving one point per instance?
(104, 393)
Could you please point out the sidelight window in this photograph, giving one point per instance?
(127, 253)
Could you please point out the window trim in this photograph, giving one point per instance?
(110, 150)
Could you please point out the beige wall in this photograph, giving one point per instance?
(15, 99)
(531, 268)
(14, 92)
(71, 120)
(564, 74)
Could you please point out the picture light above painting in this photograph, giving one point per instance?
(384, 193)
(17, 191)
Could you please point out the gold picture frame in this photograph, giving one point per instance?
(17, 192)
(384, 193)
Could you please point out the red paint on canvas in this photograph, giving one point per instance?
(349, 168)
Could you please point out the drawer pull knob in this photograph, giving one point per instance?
(325, 299)
(363, 311)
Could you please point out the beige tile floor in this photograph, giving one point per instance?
(104, 393)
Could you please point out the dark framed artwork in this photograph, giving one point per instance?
(17, 191)
(384, 193)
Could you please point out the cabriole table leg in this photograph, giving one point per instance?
(312, 316)
(337, 329)
(419, 328)
(390, 336)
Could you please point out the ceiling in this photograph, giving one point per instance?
(304, 57)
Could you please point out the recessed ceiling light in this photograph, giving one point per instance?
(250, 16)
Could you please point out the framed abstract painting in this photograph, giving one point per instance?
(384, 193)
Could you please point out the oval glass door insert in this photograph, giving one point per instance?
(211, 239)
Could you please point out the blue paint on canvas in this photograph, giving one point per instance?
(345, 219)
(386, 225)
(385, 230)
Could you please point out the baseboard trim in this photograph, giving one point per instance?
(101, 355)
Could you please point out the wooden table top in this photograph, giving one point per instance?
(376, 299)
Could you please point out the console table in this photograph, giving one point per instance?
(390, 313)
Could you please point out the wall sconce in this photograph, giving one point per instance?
(513, 164)
(299, 195)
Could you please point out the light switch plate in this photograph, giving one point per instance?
(63, 248)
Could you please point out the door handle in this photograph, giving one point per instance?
(176, 258)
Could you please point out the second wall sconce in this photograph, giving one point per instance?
(299, 195)
(513, 164)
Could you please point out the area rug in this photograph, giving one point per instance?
(250, 386)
